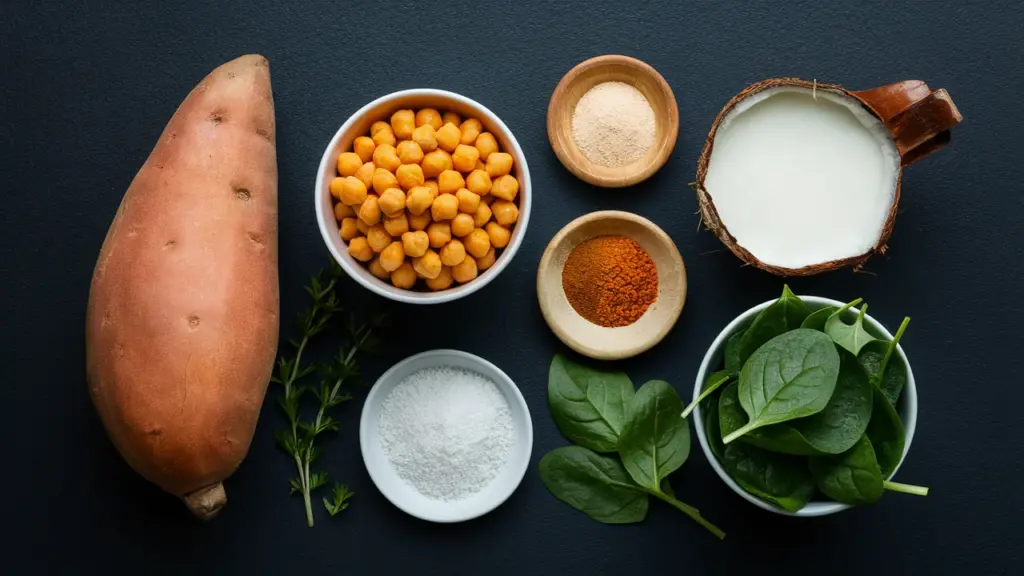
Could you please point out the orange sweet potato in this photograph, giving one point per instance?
(182, 324)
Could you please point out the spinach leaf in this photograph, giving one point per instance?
(777, 478)
(886, 368)
(852, 477)
(732, 353)
(817, 319)
(791, 376)
(594, 484)
(711, 429)
(731, 416)
(783, 315)
(885, 431)
(655, 441)
(853, 337)
(588, 405)
(711, 385)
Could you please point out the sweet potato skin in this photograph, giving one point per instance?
(182, 321)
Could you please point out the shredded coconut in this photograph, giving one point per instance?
(613, 124)
(447, 432)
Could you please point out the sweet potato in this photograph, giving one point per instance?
(182, 324)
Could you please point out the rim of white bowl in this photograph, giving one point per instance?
(908, 413)
(328, 227)
(513, 470)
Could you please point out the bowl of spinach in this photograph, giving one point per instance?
(806, 406)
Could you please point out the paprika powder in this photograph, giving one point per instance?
(610, 280)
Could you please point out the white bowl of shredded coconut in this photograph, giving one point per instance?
(446, 436)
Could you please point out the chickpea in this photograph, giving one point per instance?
(468, 201)
(419, 199)
(465, 271)
(404, 277)
(362, 226)
(439, 233)
(382, 180)
(427, 266)
(336, 185)
(343, 211)
(365, 173)
(348, 229)
(443, 281)
(363, 147)
(505, 187)
(448, 137)
(462, 225)
(420, 221)
(478, 242)
(409, 152)
(429, 117)
(464, 158)
(378, 237)
(498, 234)
(505, 213)
(409, 176)
(426, 137)
(386, 157)
(415, 243)
(444, 207)
(397, 225)
(499, 164)
(451, 118)
(449, 182)
(348, 163)
(485, 261)
(432, 184)
(392, 202)
(384, 136)
(359, 249)
(470, 130)
(486, 144)
(369, 210)
(482, 216)
(378, 126)
(453, 253)
(403, 122)
(377, 270)
(392, 256)
(353, 191)
(478, 182)
(436, 162)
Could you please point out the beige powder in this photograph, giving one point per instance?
(613, 124)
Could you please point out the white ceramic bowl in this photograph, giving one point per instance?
(406, 497)
(359, 125)
(907, 407)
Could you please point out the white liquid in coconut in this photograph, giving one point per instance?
(802, 179)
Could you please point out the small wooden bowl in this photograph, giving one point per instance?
(612, 68)
(626, 341)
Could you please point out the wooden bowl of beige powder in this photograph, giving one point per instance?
(613, 121)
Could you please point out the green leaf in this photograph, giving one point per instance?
(731, 416)
(781, 316)
(340, 495)
(596, 485)
(655, 441)
(667, 489)
(295, 486)
(588, 405)
(711, 385)
(779, 479)
(791, 376)
(885, 431)
(711, 429)
(316, 480)
(853, 337)
(852, 477)
(818, 318)
(733, 362)
(885, 365)
(285, 441)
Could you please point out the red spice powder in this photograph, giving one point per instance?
(610, 280)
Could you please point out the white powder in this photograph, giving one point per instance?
(446, 431)
(613, 124)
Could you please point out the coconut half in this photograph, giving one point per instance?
(799, 178)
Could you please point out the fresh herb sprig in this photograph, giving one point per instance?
(299, 439)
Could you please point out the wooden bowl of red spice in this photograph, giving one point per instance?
(611, 284)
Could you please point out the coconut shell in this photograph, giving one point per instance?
(918, 119)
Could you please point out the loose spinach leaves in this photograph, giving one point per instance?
(853, 337)
(588, 405)
(783, 315)
(655, 441)
(594, 484)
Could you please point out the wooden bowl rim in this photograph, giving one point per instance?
(584, 170)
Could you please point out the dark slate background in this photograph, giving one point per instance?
(86, 88)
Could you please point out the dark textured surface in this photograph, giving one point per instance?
(85, 90)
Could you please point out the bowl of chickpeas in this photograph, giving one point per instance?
(423, 196)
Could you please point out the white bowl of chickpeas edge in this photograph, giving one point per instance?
(422, 247)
